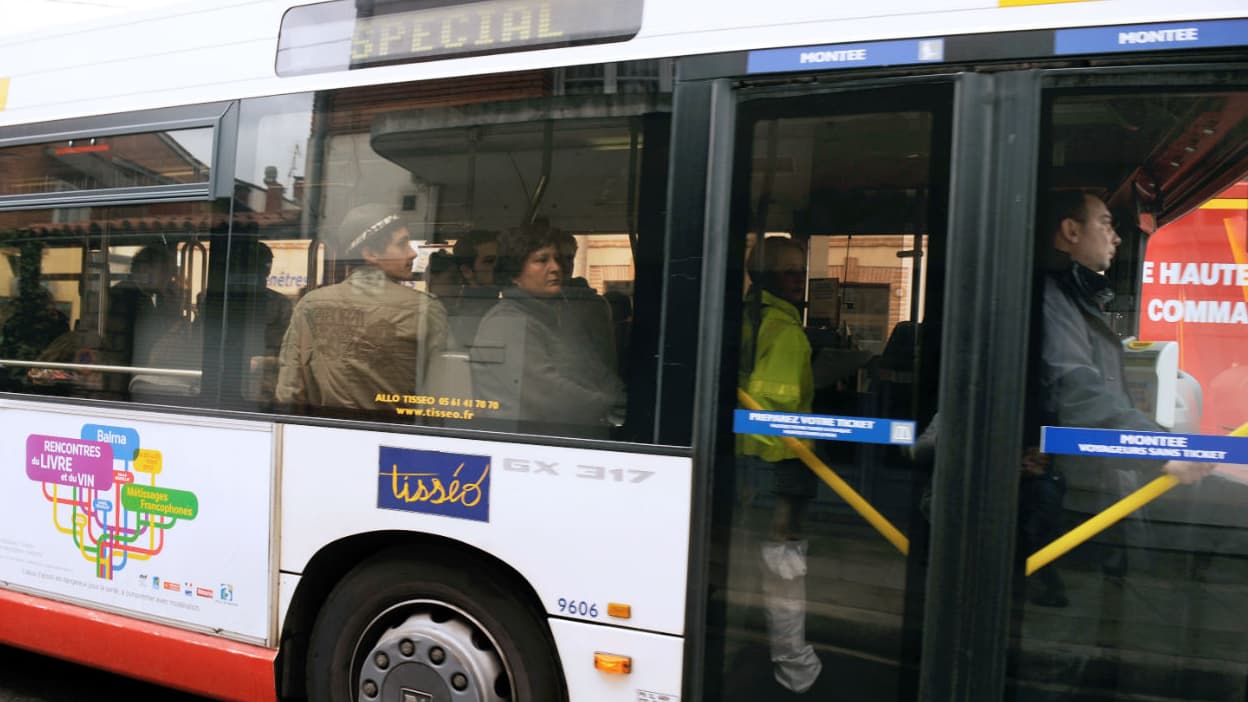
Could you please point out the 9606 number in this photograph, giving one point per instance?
(579, 608)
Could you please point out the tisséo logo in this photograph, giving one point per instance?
(433, 482)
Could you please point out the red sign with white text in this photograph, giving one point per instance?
(1195, 291)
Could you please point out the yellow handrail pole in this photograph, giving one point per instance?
(1100, 522)
(839, 486)
(1107, 518)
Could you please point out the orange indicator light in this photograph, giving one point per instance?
(619, 611)
(86, 149)
(611, 663)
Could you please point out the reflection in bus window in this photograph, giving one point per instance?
(1192, 292)
(456, 171)
(117, 286)
(174, 157)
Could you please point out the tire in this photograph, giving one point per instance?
(407, 621)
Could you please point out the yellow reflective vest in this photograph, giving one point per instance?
(779, 378)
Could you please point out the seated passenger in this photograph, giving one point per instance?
(441, 277)
(266, 315)
(589, 312)
(30, 321)
(476, 255)
(528, 359)
(368, 335)
(251, 261)
(621, 307)
(142, 309)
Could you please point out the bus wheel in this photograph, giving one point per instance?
(399, 628)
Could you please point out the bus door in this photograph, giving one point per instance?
(1134, 523)
(832, 318)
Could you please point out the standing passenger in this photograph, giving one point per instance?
(775, 371)
(368, 335)
(1081, 361)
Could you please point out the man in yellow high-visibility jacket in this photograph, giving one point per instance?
(775, 370)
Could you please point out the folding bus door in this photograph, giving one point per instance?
(1135, 527)
(832, 317)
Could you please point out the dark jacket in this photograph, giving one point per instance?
(534, 363)
(1081, 357)
(1081, 378)
(465, 311)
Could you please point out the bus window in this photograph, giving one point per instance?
(835, 332)
(1139, 333)
(104, 302)
(177, 157)
(489, 172)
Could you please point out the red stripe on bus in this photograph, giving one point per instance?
(186, 660)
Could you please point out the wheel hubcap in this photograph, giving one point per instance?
(429, 652)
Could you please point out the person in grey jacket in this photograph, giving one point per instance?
(531, 356)
(1081, 375)
(1081, 358)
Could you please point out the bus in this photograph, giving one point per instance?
(413, 351)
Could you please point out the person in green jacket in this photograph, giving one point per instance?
(775, 371)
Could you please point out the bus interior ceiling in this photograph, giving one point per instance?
(814, 190)
(1153, 157)
(499, 165)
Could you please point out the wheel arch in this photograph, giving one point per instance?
(334, 560)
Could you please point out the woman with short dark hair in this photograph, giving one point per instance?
(527, 356)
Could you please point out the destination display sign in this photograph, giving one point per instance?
(339, 35)
(874, 53)
(1003, 46)
(1150, 37)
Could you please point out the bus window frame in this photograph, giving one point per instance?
(221, 117)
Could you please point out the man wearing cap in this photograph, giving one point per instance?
(367, 335)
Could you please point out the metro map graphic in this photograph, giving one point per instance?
(102, 487)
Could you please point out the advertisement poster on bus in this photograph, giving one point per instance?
(167, 521)
(1195, 292)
